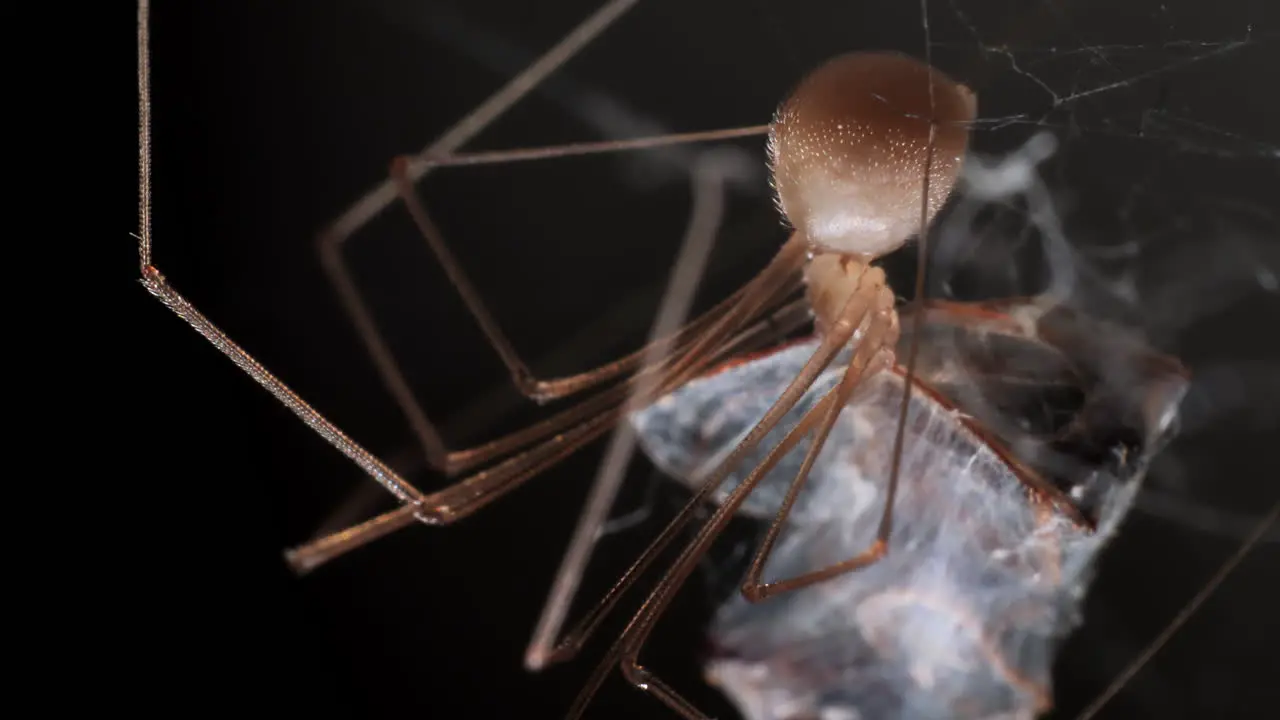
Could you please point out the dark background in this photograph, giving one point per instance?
(270, 118)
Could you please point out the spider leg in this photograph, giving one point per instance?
(561, 435)
(438, 455)
(625, 650)
(873, 355)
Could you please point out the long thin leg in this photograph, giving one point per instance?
(360, 213)
(590, 420)
(319, 551)
(462, 460)
(708, 180)
(627, 650)
(155, 282)
(534, 388)
(404, 172)
(840, 334)
(837, 336)
(473, 123)
(752, 588)
(442, 507)
(388, 478)
(755, 591)
(474, 492)
(542, 647)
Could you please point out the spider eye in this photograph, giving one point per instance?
(848, 150)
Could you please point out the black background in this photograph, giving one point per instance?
(270, 118)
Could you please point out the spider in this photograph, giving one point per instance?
(849, 297)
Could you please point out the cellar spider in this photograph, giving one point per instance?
(851, 299)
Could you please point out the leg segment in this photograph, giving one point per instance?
(873, 356)
(1044, 493)
(567, 431)
(388, 478)
(404, 172)
(626, 649)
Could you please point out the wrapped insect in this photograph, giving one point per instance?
(961, 616)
